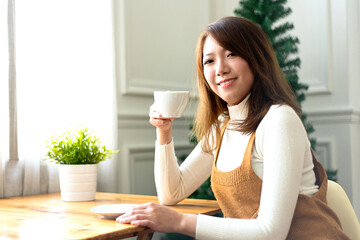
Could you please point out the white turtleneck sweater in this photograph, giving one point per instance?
(281, 157)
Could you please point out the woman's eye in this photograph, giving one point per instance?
(231, 54)
(207, 62)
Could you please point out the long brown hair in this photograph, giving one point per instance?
(247, 40)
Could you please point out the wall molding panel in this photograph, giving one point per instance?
(334, 115)
(317, 61)
(140, 164)
(140, 120)
(146, 64)
(325, 152)
(146, 87)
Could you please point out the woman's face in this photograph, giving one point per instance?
(228, 75)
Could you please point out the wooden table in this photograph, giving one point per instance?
(47, 217)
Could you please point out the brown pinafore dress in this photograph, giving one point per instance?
(238, 194)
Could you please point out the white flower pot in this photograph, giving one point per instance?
(78, 181)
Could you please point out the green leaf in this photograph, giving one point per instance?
(77, 148)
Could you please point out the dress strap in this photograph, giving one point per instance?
(219, 141)
(321, 178)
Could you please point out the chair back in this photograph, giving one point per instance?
(340, 203)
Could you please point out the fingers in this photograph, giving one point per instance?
(158, 121)
(142, 206)
(161, 123)
(136, 213)
(157, 217)
(154, 114)
(142, 223)
(129, 218)
(137, 218)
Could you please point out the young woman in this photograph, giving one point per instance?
(252, 143)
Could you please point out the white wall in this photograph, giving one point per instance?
(329, 50)
(155, 43)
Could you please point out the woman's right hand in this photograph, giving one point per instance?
(163, 126)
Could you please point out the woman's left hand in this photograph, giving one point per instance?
(159, 218)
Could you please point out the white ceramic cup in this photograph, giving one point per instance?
(171, 104)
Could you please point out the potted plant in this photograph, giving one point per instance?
(78, 155)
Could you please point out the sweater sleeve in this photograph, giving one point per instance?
(174, 182)
(282, 141)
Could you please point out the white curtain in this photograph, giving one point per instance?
(64, 79)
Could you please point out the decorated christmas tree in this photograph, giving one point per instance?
(267, 14)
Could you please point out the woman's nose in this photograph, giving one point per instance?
(222, 68)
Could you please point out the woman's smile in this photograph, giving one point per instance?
(227, 82)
